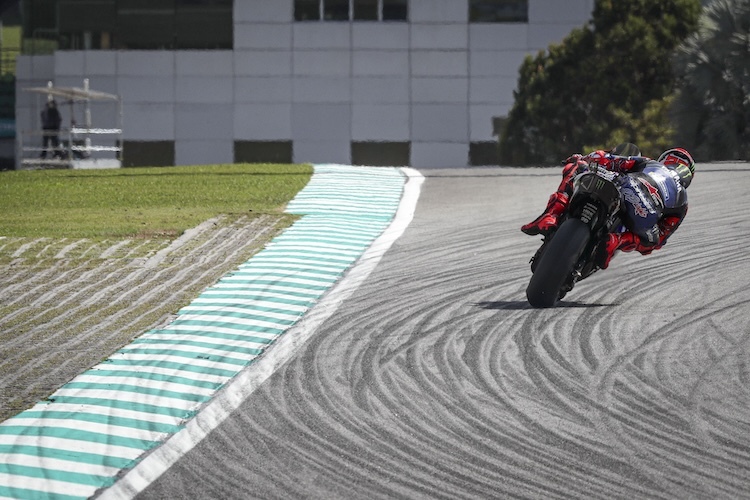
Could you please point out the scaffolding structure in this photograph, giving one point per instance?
(80, 146)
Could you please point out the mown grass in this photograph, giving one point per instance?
(152, 202)
(11, 37)
(11, 45)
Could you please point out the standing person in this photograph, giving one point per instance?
(51, 121)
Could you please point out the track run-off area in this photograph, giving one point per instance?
(423, 373)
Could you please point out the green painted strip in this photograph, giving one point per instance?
(276, 283)
(234, 287)
(155, 376)
(374, 218)
(338, 242)
(353, 213)
(332, 267)
(283, 275)
(191, 355)
(201, 334)
(96, 418)
(312, 255)
(331, 234)
(324, 248)
(208, 345)
(342, 218)
(219, 372)
(77, 456)
(335, 236)
(239, 315)
(56, 475)
(230, 326)
(195, 305)
(318, 225)
(234, 296)
(12, 492)
(77, 435)
(354, 192)
(322, 257)
(345, 183)
(321, 214)
(123, 405)
(136, 389)
(301, 271)
(351, 187)
(196, 310)
(291, 270)
(298, 260)
(350, 215)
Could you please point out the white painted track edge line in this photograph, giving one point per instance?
(248, 380)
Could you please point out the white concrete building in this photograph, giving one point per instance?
(422, 91)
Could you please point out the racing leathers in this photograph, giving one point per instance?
(655, 202)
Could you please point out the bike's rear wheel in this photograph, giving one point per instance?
(556, 263)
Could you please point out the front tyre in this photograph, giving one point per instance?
(557, 262)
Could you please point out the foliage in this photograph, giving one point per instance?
(132, 202)
(600, 82)
(712, 107)
(652, 131)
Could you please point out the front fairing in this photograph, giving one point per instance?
(596, 198)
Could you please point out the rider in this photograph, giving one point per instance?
(655, 196)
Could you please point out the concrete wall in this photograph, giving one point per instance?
(435, 82)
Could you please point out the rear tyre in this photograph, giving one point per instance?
(556, 263)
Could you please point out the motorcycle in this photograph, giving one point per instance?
(568, 254)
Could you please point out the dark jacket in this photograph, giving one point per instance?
(51, 118)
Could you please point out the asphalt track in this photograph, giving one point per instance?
(435, 379)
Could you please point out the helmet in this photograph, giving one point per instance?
(681, 162)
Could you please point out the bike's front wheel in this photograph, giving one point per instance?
(557, 262)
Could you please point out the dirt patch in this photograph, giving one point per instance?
(66, 305)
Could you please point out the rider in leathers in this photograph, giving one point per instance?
(654, 192)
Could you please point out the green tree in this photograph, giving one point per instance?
(599, 83)
(712, 104)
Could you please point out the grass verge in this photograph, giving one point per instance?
(151, 202)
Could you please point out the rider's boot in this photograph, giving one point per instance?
(547, 222)
(627, 242)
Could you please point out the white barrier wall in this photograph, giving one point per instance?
(435, 82)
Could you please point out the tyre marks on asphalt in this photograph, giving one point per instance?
(437, 380)
(104, 420)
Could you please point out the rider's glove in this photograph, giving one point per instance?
(625, 164)
(574, 158)
(598, 159)
(601, 159)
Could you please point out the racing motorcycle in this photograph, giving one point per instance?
(568, 254)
